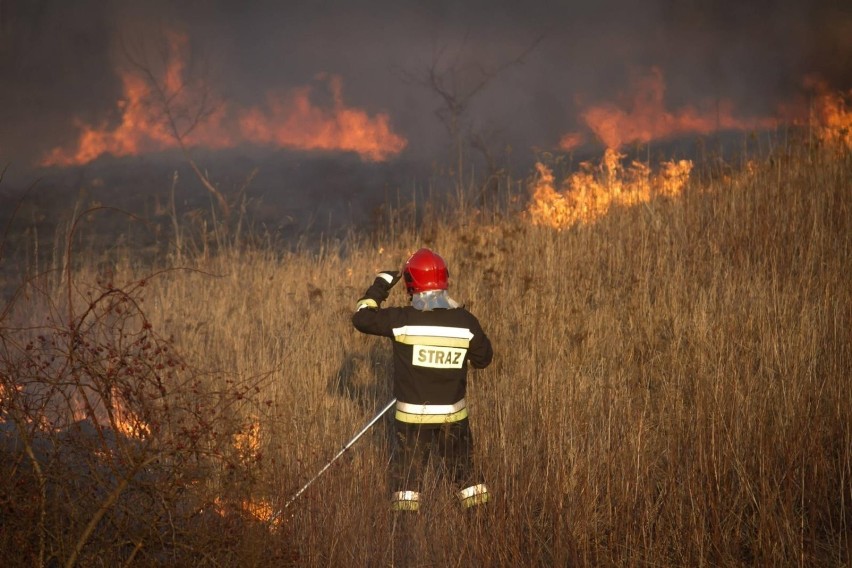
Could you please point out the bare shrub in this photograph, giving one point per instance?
(115, 447)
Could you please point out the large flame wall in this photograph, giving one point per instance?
(165, 111)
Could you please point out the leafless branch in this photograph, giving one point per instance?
(201, 109)
(105, 506)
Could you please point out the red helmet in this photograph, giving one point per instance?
(425, 271)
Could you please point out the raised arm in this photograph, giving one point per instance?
(368, 317)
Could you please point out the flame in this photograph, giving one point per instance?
(293, 121)
(260, 510)
(107, 411)
(125, 420)
(644, 117)
(247, 442)
(589, 193)
(289, 120)
(832, 114)
(141, 127)
(247, 445)
(125, 139)
(8, 394)
(571, 141)
(673, 177)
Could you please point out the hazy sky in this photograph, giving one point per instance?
(58, 58)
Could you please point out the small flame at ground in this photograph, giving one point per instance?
(126, 421)
(108, 412)
(260, 510)
(589, 193)
(247, 442)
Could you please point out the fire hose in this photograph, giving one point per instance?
(348, 445)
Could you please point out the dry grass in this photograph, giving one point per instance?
(671, 384)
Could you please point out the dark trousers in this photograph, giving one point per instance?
(447, 448)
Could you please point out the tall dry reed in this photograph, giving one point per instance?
(671, 383)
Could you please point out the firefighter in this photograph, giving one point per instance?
(434, 339)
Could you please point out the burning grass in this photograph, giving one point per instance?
(589, 194)
(642, 116)
(165, 107)
(832, 111)
(671, 386)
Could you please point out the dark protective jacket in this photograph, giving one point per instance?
(431, 350)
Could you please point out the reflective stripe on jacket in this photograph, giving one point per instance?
(431, 349)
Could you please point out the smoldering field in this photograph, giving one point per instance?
(670, 387)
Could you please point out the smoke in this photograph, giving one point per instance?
(58, 60)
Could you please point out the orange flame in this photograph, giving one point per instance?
(589, 193)
(260, 510)
(247, 442)
(129, 137)
(7, 395)
(571, 141)
(125, 420)
(832, 114)
(108, 411)
(645, 117)
(140, 128)
(291, 120)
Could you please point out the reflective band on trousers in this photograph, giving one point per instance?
(430, 413)
(406, 501)
(473, 495)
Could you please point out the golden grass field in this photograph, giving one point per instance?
(671, 387)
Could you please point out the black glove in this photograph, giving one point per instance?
(388, 278)
(379, 291)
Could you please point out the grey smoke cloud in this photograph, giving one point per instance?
(57, 59)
